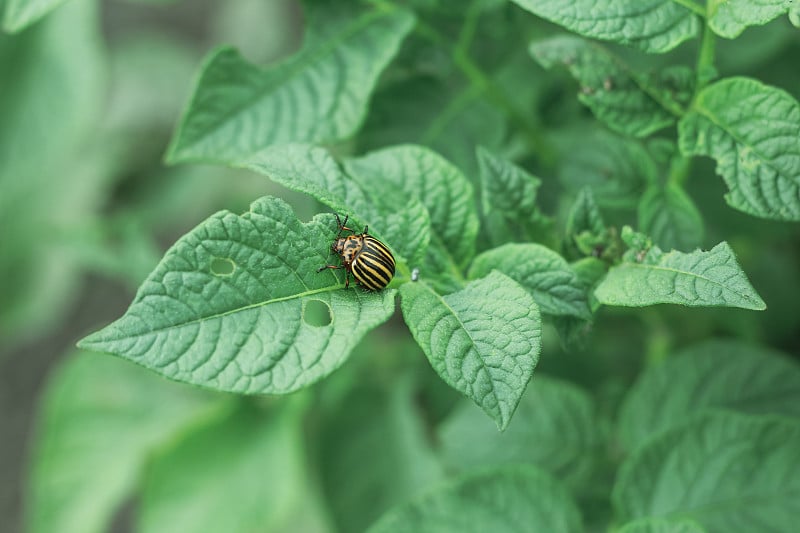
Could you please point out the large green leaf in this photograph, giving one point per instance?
(546, 275)
(711, 375)
(671, 218)
(101, 419)
(506, 500)
(318, 95)
(375, 450)
(416, 173)
(729, 18)
(428, 109)
(699, 278)
(403, 226)
(554, 428)
(617, 169)
(623, 99)
(227, 306)
(243, 473)
(52, 172)
(729, 472)
(651, 25)
(753, 131)
(483, 340)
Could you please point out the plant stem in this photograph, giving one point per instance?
(705, 59)
(480, 80)
(696, 8)
(679, 170)
(659, 338)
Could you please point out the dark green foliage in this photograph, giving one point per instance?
(540, 172)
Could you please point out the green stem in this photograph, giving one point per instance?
(467, 32)
(696, 8)
(679, 170)
(659, 339)
(705, 59)
(480, 80)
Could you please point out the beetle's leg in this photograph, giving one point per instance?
(336, 267)
(366, 230)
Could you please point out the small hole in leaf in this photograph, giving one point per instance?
(317, 313)
(222, 266)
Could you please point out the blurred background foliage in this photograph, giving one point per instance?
(89, 96)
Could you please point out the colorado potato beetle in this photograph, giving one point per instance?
(365, 257)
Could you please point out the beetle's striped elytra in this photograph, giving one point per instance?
(365, 257)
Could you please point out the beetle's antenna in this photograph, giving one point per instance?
(342, 225)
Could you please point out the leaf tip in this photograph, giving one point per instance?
(502, 423)
(90, 342)
(758, 304)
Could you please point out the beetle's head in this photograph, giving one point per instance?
(338, 245)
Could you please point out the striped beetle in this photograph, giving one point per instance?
(364, 256)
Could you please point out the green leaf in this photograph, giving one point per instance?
(501, 501)
(670, 216)
(53, 169)
(20, 14)
(729, 472)
(505, 187)
(542, 272)
(729, 18)
(654, 26)
(699, 278)
(584, 215)
(753, 131)
(660, 525)
(318, 95)
(508, 200)
(711, 375)
(416, 173)
(226, 307)
(403, 226)
(243, 473)
(449, 119)
(616, 168)
(794, 16)
(484, 340)
(377, 452)
(101, 419)
(624, 100)
(585, 232)
(554, 428)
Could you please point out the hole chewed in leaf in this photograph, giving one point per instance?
(317, 313)
(222, 266)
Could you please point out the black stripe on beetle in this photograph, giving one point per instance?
(362, 255)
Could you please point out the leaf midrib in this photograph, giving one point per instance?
(236, 310)
(676, 271)
(713, 118)
(484, 366)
